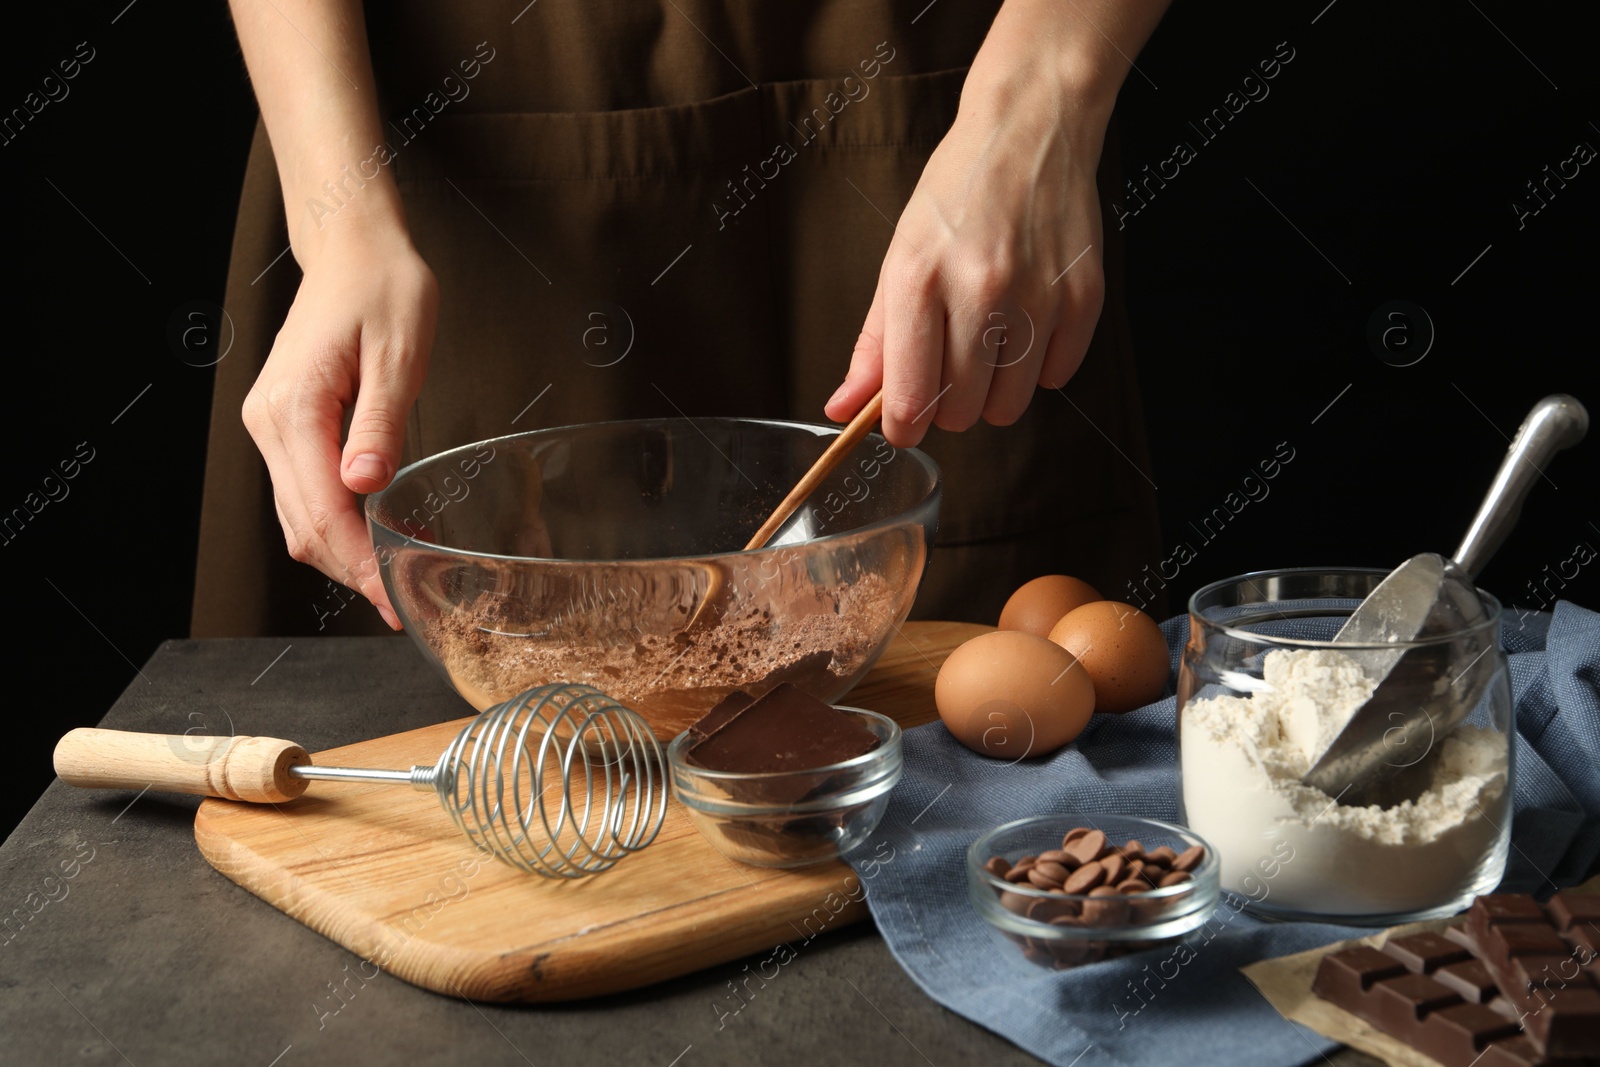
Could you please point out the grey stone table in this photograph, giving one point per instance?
(124, 946)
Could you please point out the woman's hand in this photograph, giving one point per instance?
(993, 283)
(359, 333)
(358, 336)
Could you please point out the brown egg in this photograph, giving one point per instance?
(1122, 649)
(1008, 694)
(1039, 604)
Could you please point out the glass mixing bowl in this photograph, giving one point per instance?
(1260, 675)
(612, 554)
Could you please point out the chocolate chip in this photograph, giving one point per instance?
(1162, 855)
(1105, 907)
(1047, 909)
(1133, 850)
(1056, 855)
(1018, 874)
(1192, 857)
(1114, 865)
(1016, 902)
(1085, 878)
(997, 866)
(1175, 878)
(1037, 951)
(1047, 875)
(1087, 848)
(1072, 835)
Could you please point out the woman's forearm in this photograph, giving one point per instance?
(312, 72)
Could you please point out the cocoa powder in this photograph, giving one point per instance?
(493, 649)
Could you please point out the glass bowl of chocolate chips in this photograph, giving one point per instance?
(612, 554)
(1074, 888)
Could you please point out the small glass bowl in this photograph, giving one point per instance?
(1141, 921)
(791, 818)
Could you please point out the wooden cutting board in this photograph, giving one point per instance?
(384, 872)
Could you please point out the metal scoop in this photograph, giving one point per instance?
(1424, 692)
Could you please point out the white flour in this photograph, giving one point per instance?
(1289, 845)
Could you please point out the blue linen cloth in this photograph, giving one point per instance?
(915, 877)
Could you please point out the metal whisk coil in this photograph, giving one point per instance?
(512, 748)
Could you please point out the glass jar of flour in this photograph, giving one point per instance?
(1262, 690)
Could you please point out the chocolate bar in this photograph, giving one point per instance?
(1546, 960)
(1428, 992)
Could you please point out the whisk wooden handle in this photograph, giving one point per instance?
(255, 769)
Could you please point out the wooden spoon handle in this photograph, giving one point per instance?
(841, 447)
(255, 769)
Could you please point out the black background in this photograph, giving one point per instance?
(1394, 143)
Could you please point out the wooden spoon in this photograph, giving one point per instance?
(713, 603)
(842, 446)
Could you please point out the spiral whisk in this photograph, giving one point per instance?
(494, 779)
(562, 781)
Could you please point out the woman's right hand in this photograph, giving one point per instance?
(358, 336)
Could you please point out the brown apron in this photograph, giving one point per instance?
(701, 185)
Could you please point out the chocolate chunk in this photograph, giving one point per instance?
(1544, 965)
(1471, 979)
(1512, 1052)
(1350, 974)
(808, 666)
(1425, 953)
(1508, 907)
(713, 720)
(1411, 998)
(1572, 909)
(785, 730)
